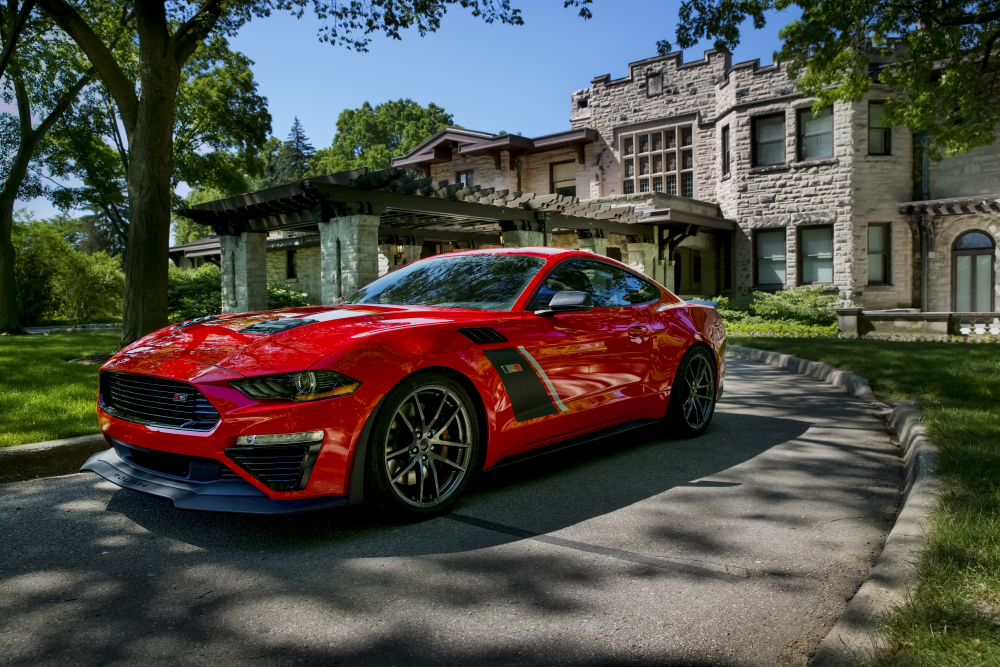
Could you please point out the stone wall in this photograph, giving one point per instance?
(967, 174)
(307, 272)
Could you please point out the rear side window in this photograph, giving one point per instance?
(641, 291)
(606, 284)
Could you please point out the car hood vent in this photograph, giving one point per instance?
(278, 325)
(483, 335)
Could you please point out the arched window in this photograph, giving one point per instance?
(972, 272)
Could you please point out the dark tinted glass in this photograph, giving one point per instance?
(975, 240)
(481, 282)
(640, 291)
(607, 284)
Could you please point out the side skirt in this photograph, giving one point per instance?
(573, 442)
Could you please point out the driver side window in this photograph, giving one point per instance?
(606, 284)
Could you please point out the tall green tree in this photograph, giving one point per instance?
(943, 57)
(168, 32)
(41, 74)
(372, 136)
(219, 126)
(298, 151)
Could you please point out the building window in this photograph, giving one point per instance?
(562, 177)
(815, 134)
(878, 254)
(466, 178)
(816, 255)
(879, 134)
(290, 264)
(972, 272)
(651, 161)
(768, 140)
(725, 150)
(654, 84)
(769, 257)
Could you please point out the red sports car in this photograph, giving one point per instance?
(447, 366)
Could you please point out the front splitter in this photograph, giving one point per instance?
(219, 496)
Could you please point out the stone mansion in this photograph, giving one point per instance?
(710, 177)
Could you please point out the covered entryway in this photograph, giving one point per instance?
(973, 272)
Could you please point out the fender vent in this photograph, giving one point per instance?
(483, 335)
(276, 326)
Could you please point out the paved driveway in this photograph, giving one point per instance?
(738, 548)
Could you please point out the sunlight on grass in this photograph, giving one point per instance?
(42, 397)
(953, 618)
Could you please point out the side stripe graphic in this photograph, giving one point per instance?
(545, 378)
(524, 388)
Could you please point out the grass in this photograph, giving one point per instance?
(42, 397)
(953, 617)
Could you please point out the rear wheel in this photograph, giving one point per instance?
(692, 399)
(424, 447)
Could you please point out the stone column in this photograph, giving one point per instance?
(349, 253)
(244, 272)
(520, 238)
(668, 277)
(596, 246)
(642, 258)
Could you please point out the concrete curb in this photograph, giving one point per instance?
(47, 459)
(855, 634)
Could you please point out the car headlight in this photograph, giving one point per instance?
(298, 387)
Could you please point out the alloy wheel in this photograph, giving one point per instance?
(428, 446)
(699, 380)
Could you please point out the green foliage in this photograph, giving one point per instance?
(187, 230)
(371, 136)
(198, 292)
(807, 305)
(943, 64)
(55, 281)
(761, 327)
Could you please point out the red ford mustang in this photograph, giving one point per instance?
(447, 366)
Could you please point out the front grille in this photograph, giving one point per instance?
(281, 467)
(156, 401)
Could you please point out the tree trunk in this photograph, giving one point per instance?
(9, 322)
(149, 190)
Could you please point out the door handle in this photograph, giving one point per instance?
(637, 330)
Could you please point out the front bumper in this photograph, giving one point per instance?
(220, 495)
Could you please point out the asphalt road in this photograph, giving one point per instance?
(738, 548)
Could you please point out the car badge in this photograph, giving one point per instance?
(512, 368)
(181, 398)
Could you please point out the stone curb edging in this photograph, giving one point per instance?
(47, 459)
(854, 635)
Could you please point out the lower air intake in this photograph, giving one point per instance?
(279, 468)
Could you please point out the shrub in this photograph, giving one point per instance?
(781, 329)
(54, 281)
(198, 292)
(807, 305)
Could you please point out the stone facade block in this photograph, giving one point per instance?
(244, 272)
(596, 246)
(348, 255)
(523, 239)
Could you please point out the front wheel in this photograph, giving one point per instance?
(693, 396)
(424, 447)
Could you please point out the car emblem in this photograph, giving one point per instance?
(511, 368)
(181, 398)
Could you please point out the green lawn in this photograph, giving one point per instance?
(953, 618)
(42, 396)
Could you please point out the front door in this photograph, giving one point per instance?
(593, 363)
(972, 272)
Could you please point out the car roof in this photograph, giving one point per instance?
(535, 251)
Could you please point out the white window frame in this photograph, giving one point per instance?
(633, 183)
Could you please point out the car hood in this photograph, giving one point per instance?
(278, 341)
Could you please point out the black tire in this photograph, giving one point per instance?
(693, 397)
(424, 447)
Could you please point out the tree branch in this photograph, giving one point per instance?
(117, 137)
(187, 38)
(19, 22)
(989, 51)
(23, 107)
(62, 105)
(102, 57)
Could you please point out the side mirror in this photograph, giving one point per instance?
(567, 302)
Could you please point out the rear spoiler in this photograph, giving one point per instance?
(699, 302)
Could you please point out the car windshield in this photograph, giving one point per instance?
(481, 282)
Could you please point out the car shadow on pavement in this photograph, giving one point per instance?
(541, 495)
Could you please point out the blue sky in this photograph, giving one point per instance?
(489, 77)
